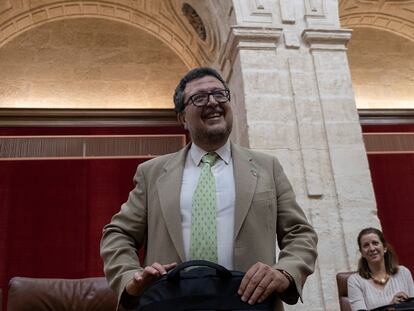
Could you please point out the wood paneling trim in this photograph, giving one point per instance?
(87, 117)
(386, 143)
(88, 147)
(386, 116)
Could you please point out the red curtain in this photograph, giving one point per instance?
(393, 181)
(52, 211)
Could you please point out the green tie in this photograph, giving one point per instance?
(203, 244)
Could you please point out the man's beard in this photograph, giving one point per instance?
(214, 136)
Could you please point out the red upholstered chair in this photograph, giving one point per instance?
(342, 283)
(35, 294)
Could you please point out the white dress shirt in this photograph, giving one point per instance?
(225, 198)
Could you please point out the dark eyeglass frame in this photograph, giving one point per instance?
(207, 98)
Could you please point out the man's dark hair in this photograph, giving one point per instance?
(193, 74)
(390, 257)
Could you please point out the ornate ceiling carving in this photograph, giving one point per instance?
(195, 21)
(396, 16)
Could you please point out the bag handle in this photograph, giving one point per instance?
(174, 274)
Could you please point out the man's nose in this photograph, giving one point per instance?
(211, 100)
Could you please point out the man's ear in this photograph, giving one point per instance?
(181, 119)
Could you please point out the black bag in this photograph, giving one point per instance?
(198, 285)
(407, 305)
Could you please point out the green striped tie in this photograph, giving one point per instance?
(203, 241)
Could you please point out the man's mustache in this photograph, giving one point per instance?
(210, 111)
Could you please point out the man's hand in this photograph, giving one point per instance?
(399, 297)
(149, 275)
(260, 281)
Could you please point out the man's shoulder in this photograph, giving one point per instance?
(254, 154)
(161, 160)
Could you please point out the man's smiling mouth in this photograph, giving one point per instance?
(214, 115)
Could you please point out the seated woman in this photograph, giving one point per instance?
(380, 280)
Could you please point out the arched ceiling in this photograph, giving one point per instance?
(163, 25)
(396, 16)
(166, 21)
(88, 63)
(161, 18)
(382, 69)
(381, 52)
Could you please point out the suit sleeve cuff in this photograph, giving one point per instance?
(291, 294)
(128, 301)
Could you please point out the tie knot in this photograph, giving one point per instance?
(209, 158)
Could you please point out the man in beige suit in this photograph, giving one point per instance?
(256, 208)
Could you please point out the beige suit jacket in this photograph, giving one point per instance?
(266, 212)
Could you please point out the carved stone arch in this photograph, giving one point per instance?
(393, 24)
(163, 27)
(207, 48)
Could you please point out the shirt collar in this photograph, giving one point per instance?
(197, 153)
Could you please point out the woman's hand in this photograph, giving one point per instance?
(399, 297)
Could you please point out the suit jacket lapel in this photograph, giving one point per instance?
(169, 188)
(245, 177)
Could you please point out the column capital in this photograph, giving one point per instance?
(249, 38)
(327, 39)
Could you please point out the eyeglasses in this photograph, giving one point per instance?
(202, 99)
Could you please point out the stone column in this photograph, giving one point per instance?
(286, 63)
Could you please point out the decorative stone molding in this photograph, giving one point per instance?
(327, 39)
(194, 20)
(314, 8)
(253, 12)
(393, 24)
(287, 10)
(310, 130)
(203, 21)
(291, 39)
(249, 38)
(4, 6)
(390, 15)
(321, 14)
